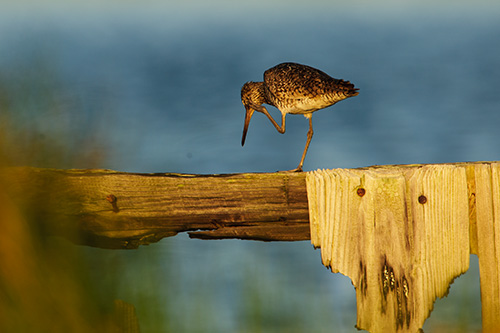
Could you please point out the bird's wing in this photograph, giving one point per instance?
(296, 81)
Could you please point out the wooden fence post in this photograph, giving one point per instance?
(487, 196)
(404, 233)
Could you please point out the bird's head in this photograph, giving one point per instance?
(252, 97)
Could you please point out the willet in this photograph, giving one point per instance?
(295, 89)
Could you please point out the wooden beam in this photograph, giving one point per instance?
(112, 209)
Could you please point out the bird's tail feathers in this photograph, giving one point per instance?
(348, 88)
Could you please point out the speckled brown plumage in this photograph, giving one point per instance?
(296, 89)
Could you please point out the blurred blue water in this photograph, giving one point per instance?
(429, 85)
(159, 86)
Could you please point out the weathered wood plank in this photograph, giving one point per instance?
(401, 235)
(124, 210)
(488, 242)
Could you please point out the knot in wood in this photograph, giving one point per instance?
(422, 199)
(111, 198)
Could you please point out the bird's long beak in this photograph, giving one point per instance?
(248, 116)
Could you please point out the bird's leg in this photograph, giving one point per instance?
(309, 137)
(281, 128)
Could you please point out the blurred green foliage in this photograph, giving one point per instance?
(44, 281)
(44, 123)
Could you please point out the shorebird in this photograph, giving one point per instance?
(295, 89)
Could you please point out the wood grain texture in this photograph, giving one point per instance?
(402, 239)
(124, 210)
(487, 178)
